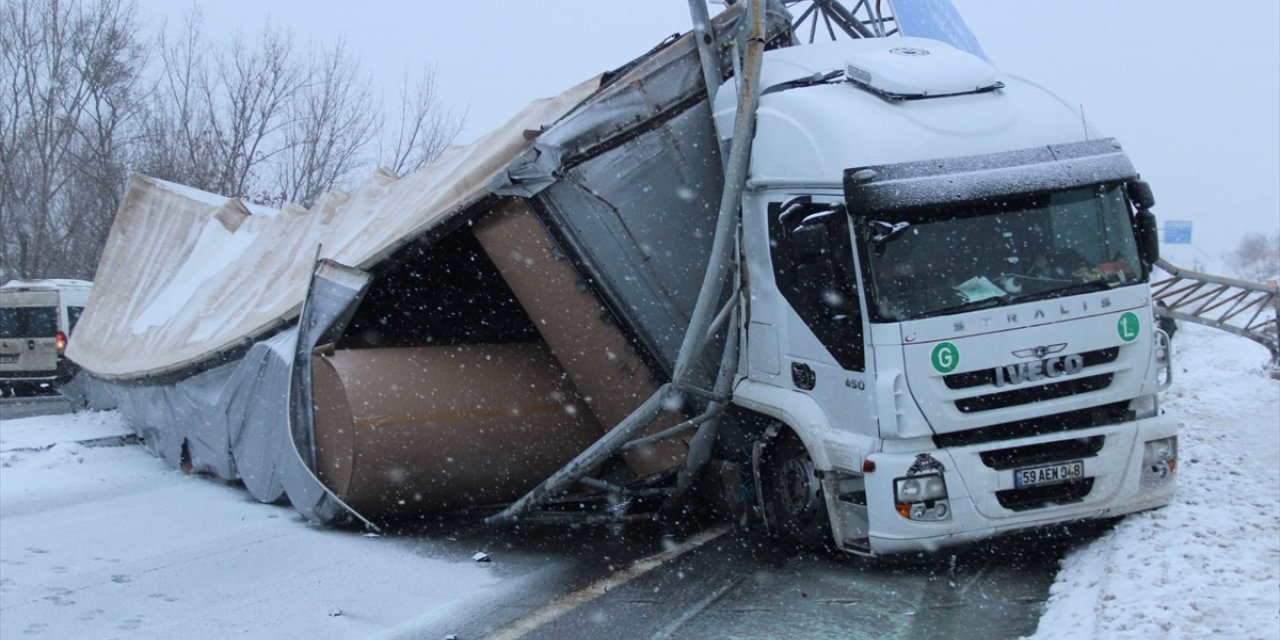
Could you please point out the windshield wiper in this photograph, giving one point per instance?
(815, 79)
(882, 233)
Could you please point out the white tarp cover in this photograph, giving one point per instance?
(187, 275)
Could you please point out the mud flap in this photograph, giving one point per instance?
(333, 295)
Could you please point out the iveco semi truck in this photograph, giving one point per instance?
(948, 315)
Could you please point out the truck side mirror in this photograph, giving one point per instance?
(1140, 194)
(1143, 200)
(1148, 239)
(808, 241)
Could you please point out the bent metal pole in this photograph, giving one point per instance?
(718, 271)
(735, 179)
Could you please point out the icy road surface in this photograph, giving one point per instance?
(106, 541)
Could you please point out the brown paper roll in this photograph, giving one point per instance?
(409, 430)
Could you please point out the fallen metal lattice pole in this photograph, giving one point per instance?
(704, 318)
(1247, 309)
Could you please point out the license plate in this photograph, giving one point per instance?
(1048, 474)
(8, 359)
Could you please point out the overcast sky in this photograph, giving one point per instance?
(1191, 89)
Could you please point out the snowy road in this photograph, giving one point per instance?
(109, 542)
(26, 406)
(740, 586)
(106, 541)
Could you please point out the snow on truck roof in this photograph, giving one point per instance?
(912, 99)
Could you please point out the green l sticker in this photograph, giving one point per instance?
(1128, 327)
(946, 357)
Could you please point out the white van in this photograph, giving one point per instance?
(37, 318)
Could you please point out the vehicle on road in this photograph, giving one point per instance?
(37, 318)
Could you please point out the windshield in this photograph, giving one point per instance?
(941, 260)
(28, 322)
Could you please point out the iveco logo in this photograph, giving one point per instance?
(1040, 351)
(1037, 370)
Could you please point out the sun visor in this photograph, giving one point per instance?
(925, 183)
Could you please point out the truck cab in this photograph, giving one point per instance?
(948, 316)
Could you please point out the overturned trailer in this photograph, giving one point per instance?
(500, 309)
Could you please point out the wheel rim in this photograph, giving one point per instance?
(798, 488)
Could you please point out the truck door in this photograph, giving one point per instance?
(813, 266)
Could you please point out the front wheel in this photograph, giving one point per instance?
(795, 496)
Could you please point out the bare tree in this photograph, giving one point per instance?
(249, 100)
(253, 122)
(422, 127)
(70, 91)
(107, 132)
(246, 119)
(1256, 258)
(178, 138)
(330, 122)
(217, 119)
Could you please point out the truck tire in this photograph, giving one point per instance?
(795, 496)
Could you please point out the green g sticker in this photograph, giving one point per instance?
(946, 357)
(1127, 327)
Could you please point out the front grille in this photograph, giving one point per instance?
(992, 401)
(1103, 415)
(1045, 496)
(971, 379)
(1043, 453)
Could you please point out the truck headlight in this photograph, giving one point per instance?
(920, 488)
(922, 497)
(1159, 461)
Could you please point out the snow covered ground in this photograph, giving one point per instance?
(1209, 564)
(109, 542)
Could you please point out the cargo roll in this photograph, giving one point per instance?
(408, 430)
(579, 330)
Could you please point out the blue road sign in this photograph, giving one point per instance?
(1177, 232)
(937, 19)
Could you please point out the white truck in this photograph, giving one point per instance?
(949, 313)
(908, 309)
